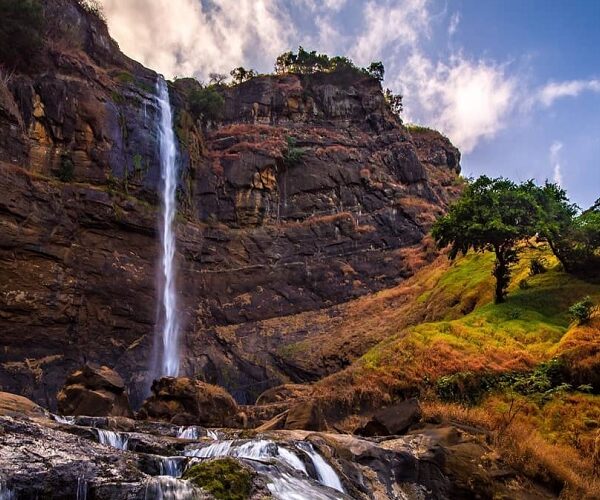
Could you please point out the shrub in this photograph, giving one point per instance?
(537, 266)
(394, 102)
(21, 29)
(224, 478)
(524, 284)
(292, 155)
(66, 170)
(582, 311)
(206, 104)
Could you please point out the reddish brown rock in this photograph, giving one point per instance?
(95, 391)
(394, 420)
(15, 405)
(259, 237)
(184, 401)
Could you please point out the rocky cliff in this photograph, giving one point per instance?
(307, 194)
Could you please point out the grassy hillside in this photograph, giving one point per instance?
(522, 369)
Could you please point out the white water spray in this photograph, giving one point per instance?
(168, 167)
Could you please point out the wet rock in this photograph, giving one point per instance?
(184, 401)
(394, 420)
(95, 391)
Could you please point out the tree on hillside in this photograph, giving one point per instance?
(217, 79)
(376, 70)
(556, 219)
(492, 214)
(574, 239)
(206, 104)
(21, 28)
(241, 74)
(394, 101)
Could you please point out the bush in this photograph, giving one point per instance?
(524, 284)
(66, 170)
(206, 104)
(582, 311)
(292, 155)
(537, 266)
(21, 28)
(224, 478)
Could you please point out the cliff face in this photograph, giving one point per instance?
(309, 193)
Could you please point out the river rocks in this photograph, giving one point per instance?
(394, 420)
(184, 401)
(95, 391)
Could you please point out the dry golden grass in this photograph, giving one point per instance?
(515, 433)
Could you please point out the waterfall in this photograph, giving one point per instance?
(168, 168)
(63, 420)
(168, 488)
(325, 472)
(265, 450)
(171, 466)
(114, 439)
(82, 488)
(188, 433)
(5, 492)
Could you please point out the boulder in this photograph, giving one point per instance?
(307, 416)
(304, 416)
(95, 391)
(12, 405)
(394, 420)
(185, 401)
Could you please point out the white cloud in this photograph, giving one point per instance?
(189, 37)
(468, 100)
(454, 22)
(555, 90)
(555, 148)
(390, 23)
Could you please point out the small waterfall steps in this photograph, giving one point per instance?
(292, 469)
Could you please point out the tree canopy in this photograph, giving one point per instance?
(496, 214)
(492, 214)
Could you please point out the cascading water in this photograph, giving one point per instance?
(114, 439)
(283, 484)
(169, 365)
(168, 488)
(327, 475)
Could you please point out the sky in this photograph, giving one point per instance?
(515, 84)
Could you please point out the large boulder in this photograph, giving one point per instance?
(304, 416)
(394, 420)
(95, 391)
(185, 401)
(14, 405)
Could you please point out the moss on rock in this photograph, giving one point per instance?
(224, 478)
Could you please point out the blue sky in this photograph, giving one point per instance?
(514, 83)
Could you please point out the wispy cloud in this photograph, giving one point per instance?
(391, 25)
(454, 22)
(468, 98)
(572, 88)
(555, 149)
(189, 37)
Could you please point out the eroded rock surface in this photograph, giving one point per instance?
(190, 402)
(95, 391)
(310, 193)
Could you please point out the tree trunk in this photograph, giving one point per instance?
(500, 272)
